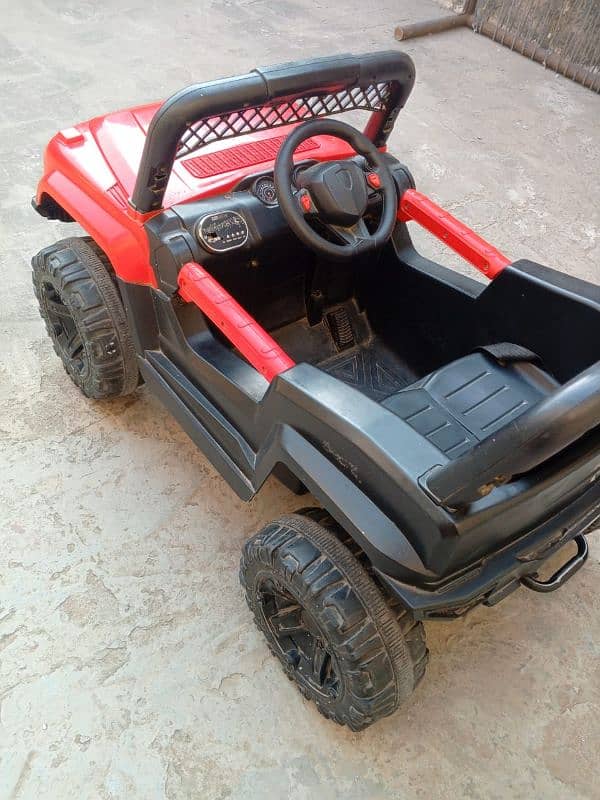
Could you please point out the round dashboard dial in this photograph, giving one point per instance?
(264, 189)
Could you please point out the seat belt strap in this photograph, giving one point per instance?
(509, 353)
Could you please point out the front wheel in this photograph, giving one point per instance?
(328, 623)
(85, 318)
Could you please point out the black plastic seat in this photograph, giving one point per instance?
(469, 399)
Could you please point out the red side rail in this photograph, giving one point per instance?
(464, 241)
(197, 286)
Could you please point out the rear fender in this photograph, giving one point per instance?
(383, 542)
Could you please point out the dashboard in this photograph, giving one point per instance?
(244, 224)
(224, 231)
(229, 229)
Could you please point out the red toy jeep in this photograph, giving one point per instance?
(249, 260)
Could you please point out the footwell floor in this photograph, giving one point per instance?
(372, 368)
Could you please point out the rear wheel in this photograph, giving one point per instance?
(328, 623)
(85, 318)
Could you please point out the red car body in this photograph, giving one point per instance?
(90, 171)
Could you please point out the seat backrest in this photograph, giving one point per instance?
(546, 429)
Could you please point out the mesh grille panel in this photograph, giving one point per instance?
(374, 97)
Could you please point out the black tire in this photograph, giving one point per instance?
(367, 656)
(85, 318)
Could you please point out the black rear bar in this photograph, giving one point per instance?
(500, 573)
(264, 87)
(542, 432)
(562, 575)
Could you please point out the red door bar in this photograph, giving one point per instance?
(197, 286)
(464, 241)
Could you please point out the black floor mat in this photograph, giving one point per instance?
(369, 365)
(372, 368)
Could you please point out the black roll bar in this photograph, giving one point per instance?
(542, 432)
(263, 88)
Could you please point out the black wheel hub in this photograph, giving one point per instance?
(300, 641)
(64, 328)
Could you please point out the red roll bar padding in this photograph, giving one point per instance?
(197, 286)
(464, 241)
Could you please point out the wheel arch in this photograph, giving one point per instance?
(47, 206)
(384, 544)
(68, 199)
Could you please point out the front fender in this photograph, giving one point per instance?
(77, 178)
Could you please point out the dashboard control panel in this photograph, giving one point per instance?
(222, 231)
(245, 223)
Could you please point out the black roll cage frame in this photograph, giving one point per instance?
(268, 98)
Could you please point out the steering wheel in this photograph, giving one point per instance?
(335, 192)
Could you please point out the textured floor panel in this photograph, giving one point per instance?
(372, 368)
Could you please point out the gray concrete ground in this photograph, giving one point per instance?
(129, 664)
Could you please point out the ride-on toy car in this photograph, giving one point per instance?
(249, 260)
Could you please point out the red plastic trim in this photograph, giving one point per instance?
(482, 255)
(197, 286)
(240, 156)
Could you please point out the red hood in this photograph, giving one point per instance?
(106, 152)
(120, 138)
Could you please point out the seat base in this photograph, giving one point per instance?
(469, 399)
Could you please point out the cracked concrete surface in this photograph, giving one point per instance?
(129, 666)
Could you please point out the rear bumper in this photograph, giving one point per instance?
(498, 575)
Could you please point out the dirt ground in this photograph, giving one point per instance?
(129, 666)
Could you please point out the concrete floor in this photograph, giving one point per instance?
(129, 664)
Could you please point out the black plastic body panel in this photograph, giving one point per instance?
(358, 458)
(552, 314)
(495, 577)
(173, 236)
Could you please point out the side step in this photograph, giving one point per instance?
(162, 376)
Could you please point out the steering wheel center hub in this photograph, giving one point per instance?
(338, 190)
(336, 193)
